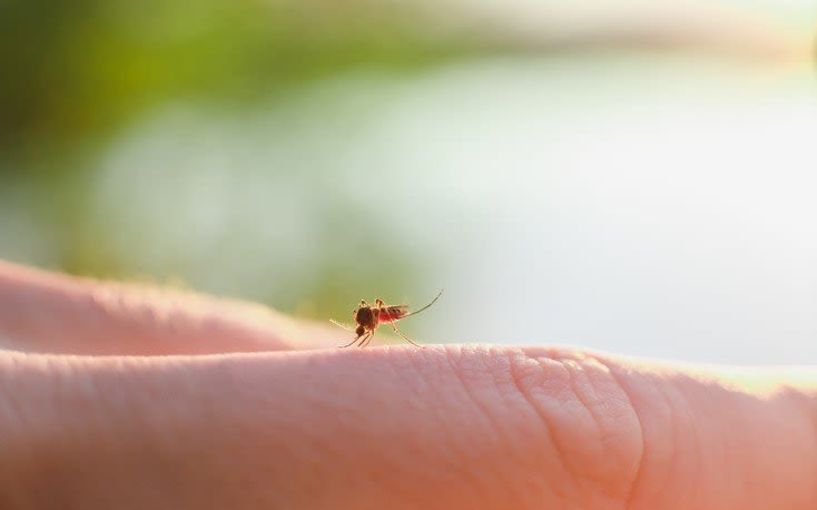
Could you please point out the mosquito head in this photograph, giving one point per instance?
(359, 331)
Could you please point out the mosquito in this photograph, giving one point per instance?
(368, 318)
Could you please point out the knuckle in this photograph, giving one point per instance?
(591, 423)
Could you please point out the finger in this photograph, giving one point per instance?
(49, 312)
(438, 428)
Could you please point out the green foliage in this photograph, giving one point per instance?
(80, 69)
(76, 74)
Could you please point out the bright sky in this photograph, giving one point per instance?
(659, 205)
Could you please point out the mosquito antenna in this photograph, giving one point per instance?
(342, 325)
(425, 307)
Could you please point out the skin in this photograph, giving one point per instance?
(119, 397)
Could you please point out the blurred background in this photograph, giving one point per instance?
(627, 175)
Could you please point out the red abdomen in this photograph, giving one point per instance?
(391, 314)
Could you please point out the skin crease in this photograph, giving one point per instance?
(92, 418)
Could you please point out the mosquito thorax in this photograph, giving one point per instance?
(364, 316)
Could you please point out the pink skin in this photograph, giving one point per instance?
(125, 426)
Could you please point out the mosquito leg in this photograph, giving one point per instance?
(368, 339)
(352, 342)
(426, 306)
(404, 337)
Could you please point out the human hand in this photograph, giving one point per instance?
(148, 399)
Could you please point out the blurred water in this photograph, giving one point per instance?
(659, 207)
